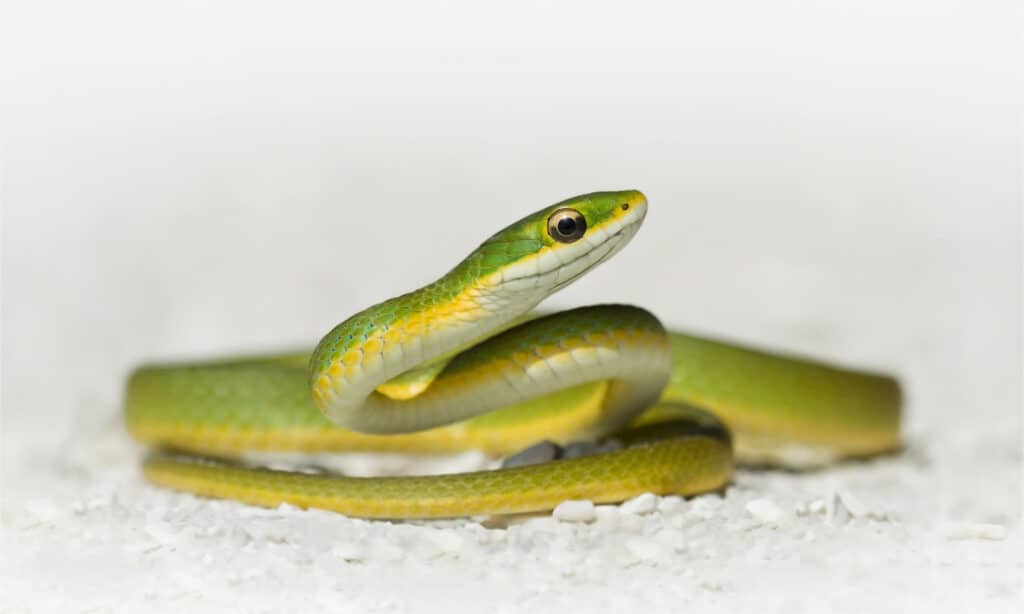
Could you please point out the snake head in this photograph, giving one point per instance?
(550, 248)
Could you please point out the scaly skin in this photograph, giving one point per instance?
(412, 375)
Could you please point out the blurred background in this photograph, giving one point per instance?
(841, 180)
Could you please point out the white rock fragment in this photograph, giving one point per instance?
(704, 507)
(766, 512)
(976, 530)
(853, 505)
(608, 514)
(818, 506)
(574, 511)
(639, 505)
(670, 504)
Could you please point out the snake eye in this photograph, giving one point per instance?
(566, 225)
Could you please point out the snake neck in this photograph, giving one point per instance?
(393, 337)
(623, 345)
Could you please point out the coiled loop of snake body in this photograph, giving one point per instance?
(457, 365)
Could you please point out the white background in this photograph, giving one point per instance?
(837, 179)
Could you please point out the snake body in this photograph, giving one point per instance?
(460, 364)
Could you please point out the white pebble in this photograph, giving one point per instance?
(818, 506)
(639, 505)
(574, 511)
(976, 530)
(667, 505)
(704, 507)
(607, 514)
(852, 504)
(766, 512)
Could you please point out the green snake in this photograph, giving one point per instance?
(462, 363)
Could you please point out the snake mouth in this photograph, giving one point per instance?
(606, 248)
(554, 269)
(617, 242)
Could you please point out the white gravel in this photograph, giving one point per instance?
(766, 512)
(85, 534)
(574, 511)
(642, 504)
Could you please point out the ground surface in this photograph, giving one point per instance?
(935, 528)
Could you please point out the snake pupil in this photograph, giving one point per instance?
(566, 226)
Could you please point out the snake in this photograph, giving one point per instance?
(466, 363)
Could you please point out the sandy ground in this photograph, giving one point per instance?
(843, 184)
(935, 529)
